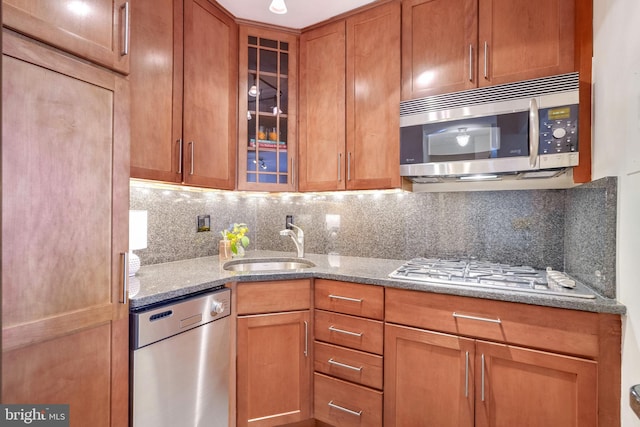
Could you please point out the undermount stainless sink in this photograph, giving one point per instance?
(268, 264)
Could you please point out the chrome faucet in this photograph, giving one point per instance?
(297, 237)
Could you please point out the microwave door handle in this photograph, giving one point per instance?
(534, 132)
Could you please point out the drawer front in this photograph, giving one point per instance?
(552, 329)
(350, 298)
(348, 364)
(353, 332)
(343, 404)
(273, 297)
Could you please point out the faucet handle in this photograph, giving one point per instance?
(298, 229)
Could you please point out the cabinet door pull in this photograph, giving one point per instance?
(466, 375)
(192, 144)
(481, 319)
(342, 331)
(349, 166)
(482, 379)
(344, 365)
(126, 29)
(470, 62)
(125, 277)
(486, 60)
(180, 156)
(293, 172)
(534, 132)
(306, 338)
(339, 167)
(342, 408)
(345, 298)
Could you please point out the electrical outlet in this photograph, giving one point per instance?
(204, 223)
(288, 220)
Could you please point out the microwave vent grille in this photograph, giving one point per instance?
(485, 95)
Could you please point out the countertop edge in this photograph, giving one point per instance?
(157, 283)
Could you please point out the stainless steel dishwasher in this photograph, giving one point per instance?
(180, 362)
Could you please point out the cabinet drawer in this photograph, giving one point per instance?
(272, 297)
(554, 329)
(347, 364)
(343, 404)
(349, 331)
(350, 298)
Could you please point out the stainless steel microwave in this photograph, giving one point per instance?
(527, 129)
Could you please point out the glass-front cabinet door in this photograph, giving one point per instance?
(267, 119)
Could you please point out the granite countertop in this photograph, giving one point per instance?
(157, 283)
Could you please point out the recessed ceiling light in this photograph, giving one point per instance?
(278, 6)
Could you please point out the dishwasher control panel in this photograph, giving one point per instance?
(176, 316)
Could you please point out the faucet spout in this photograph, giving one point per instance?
(297, 237)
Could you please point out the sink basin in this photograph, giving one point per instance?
(268, 264)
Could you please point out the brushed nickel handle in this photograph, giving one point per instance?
(534, 132)
(344, 365)
(339, 167)
(342, 408)
(486, 53)
(306, 338)
(125, 277)
(349, 166)
(345, 298)
(482, 392)
(466, 375)
(342, 331)
(180, 144)
(192, 144)
(470, 62)
(293, 171)
(481, 319)
(126, 29)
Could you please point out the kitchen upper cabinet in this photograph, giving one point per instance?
(452, 45)
(65, 202)
(96, 30)
(365, 115)
(274, 353)
(268, 110)
(184, 80)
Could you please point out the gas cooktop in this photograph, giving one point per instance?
(482, 274)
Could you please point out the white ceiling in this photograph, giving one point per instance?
(301, 13)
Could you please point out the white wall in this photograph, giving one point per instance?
(617, 152)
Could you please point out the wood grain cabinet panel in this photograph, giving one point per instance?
(184, 81)
(343, 404)
(97, 30)
(349, 298)
(349, 331)
(63, 268)
(348, 364)
(361, 109)
(454, 45)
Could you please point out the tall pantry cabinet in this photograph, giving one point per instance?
(65, 198)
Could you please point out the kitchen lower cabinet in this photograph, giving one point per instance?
(274, 351)
(440, 380)
(184, 81)
(65, 202)
(460, 361)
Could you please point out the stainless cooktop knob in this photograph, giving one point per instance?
(217, 308)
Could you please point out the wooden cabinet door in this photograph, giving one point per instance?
(65, 198)
(322, 109)
(373, 98)
(439, 46)
(97, 30)
(156, 85)
(520, 40)
(428, 379)
(522, 387)
(274, 369)
(210, 93)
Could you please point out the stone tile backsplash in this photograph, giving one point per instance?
(530, 227)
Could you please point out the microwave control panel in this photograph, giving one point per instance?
(558, 130)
